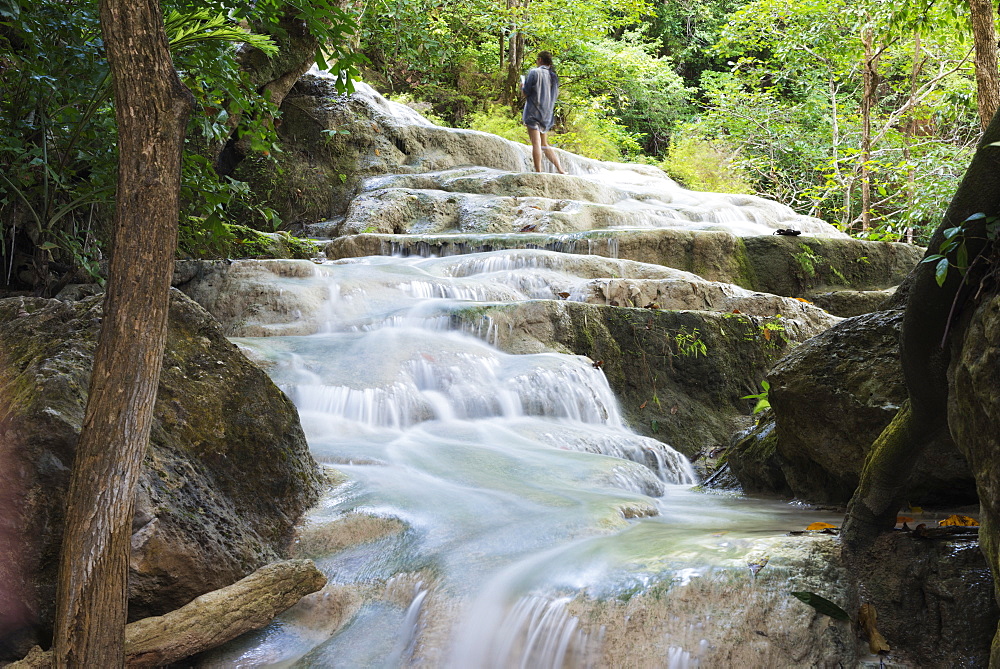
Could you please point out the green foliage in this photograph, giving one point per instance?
(807, 259)
(499, 120)
(57, 127)
(689, 344)
(763, 401)
(953, 251)
(704, 165)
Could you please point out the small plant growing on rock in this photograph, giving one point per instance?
(689, 344)
(762, 398)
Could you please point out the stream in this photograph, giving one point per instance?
(508, 487)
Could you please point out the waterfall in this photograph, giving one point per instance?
(507, 487)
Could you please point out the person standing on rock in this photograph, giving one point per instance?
(541, 88)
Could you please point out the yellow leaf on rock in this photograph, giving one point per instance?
(821, 526)
(802, 299)
(868, 619)
(958, 521)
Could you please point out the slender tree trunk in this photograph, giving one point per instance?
(515, 55)
(151, 108)
(910, 130)
(870, 87)
(984, 38)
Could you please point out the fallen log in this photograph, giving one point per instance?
(211, 619)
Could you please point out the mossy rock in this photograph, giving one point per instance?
(832, 396)
(754, 460)
(226, 476)
(679, 375)
(250, 243)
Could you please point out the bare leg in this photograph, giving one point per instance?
(536, 147)
(550, 153)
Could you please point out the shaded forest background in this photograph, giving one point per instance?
(861, 113)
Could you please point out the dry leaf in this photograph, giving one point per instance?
(598, 364)
(673, 410)
(767, 335)
(563, 295)
(958, 521)
(377, 152)
(802, 299)
(737, 311)
(867, 618)
(643, 405)
(821, 526)
(903, 519)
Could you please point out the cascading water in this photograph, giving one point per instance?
(511, 479)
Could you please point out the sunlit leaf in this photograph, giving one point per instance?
(958, 521)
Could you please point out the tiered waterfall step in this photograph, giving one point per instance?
(789, 266)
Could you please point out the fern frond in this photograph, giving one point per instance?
(200, 26)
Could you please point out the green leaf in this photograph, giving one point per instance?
(822, 604)
(941, 271)
(962, 258)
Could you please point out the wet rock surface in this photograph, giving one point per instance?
(679, 351)
(974, 419)
(385, 168)
(934, 599)
(226, 476)
(830, 398)
(679, 375)
(768, 264)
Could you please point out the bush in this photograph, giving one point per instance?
(703, 165)
(499, 120)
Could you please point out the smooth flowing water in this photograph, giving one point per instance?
(506, 486)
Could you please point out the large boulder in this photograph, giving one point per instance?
(226, 476)
(974, 421)
(830, 398)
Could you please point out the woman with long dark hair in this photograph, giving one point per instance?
(541, 88)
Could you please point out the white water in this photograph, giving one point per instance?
(515, 477)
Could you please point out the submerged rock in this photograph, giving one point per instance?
(830, 398)
(226, 476)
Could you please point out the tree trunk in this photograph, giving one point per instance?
(870, 88)
(515, 55)
(151, 108)
(928, 326)
(984, 38)
(212, 619)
